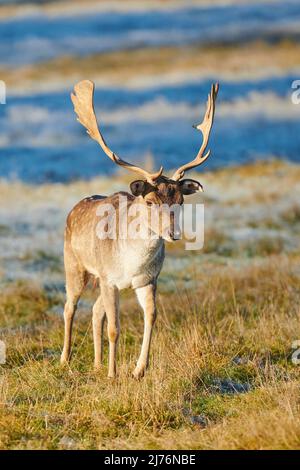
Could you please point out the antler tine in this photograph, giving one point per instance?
(84, 108)
(205, 127)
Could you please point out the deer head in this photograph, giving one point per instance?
(153, 188)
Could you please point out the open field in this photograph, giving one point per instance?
(65, 7)
(221, 373)
(152, 63)
(255, 60)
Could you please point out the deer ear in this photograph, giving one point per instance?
(190, 187)
(137, 187)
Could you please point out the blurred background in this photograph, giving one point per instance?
(152, 62)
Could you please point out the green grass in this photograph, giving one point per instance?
(236, 326)
(4, 230)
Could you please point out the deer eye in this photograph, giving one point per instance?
(149, 203)
(171, 191)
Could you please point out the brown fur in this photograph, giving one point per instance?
(109, 262)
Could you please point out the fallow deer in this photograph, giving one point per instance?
(121, 263)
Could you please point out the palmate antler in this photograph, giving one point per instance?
(84, 108)
(205, 128)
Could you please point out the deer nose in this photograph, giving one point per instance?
(175, 234)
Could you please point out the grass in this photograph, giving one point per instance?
(118, 67)
(4, 230)
(220, 375)
(291, 215)
(42, 260)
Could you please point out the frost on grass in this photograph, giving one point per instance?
(246, 216)
(221, 374)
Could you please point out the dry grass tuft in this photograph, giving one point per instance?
(220, 377)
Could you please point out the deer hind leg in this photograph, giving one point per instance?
(110, 297)
(98, 326)
(76, 280)
(146, 298)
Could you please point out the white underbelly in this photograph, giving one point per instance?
(136, 267)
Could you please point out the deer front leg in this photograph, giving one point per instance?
(98, 325)
(110, 297)
(146, 298)
(69, 312)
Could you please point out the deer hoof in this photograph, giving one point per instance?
(64, 361)
(138, 373)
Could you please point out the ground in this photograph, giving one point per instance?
(221, 373)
